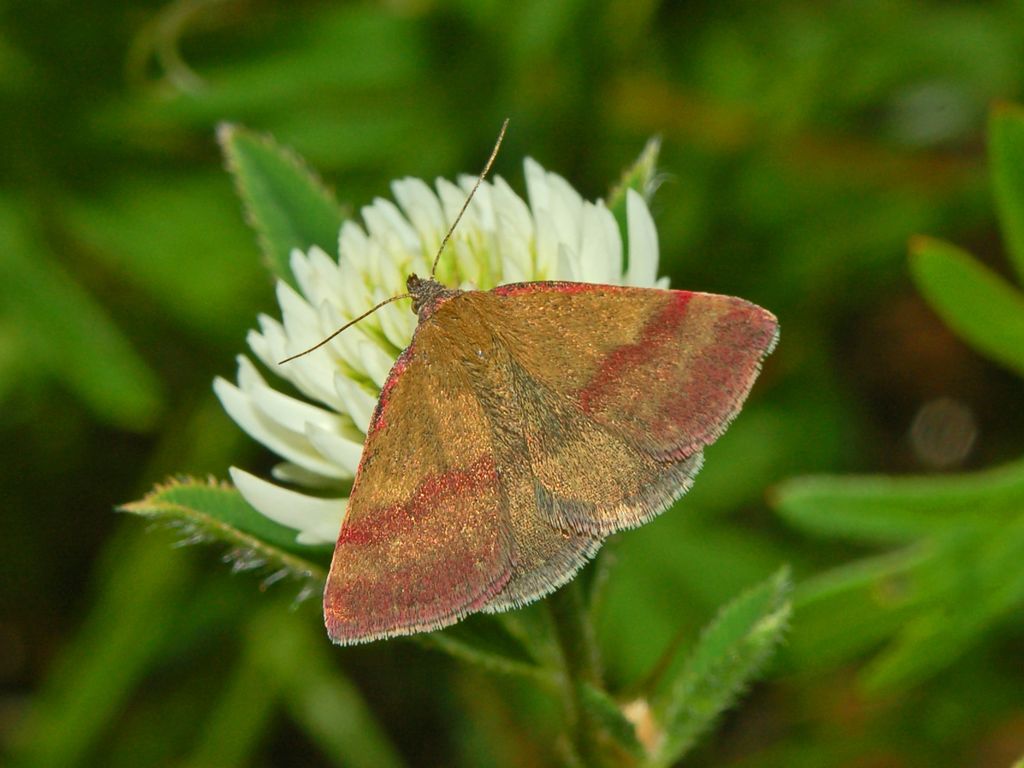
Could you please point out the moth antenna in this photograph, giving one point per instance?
(469, 197)
(437, 258)
(350, 323)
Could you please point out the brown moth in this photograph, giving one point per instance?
(521, 427)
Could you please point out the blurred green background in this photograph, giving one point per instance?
(804, 143)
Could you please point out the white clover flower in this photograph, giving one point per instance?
(501, 239)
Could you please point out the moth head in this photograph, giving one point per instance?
(427, 294)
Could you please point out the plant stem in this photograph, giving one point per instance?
(581, 663)
(575, 634)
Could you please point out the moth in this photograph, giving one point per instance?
(520, 428)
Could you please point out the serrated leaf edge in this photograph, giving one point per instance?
(152, 507)
(774, 623)
(226, 132)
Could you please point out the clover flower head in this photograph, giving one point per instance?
(556, 235)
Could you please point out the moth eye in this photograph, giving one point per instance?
(480, 354)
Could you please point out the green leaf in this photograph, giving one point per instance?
(242, 715)
(896, 509)
(1006, 155)
(615, 734)
(319, 698)
(200, 276)
(311, 66)
(140, 591)
(214, 511)
(321, 701)
(71, 338)
(532, 629)
(932, 601)
(287, 205)
(483, 640)
(976, 303)
(730, 652)
(984, 583)
(872, 595)
(640, 177)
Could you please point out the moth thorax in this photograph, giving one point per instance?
(427, 295)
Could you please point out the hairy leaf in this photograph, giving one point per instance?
(211, 511)
(287, 205)
(731, 651)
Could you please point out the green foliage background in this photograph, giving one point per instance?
(804, 144)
